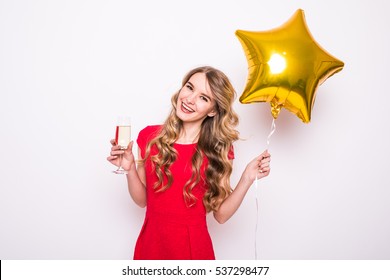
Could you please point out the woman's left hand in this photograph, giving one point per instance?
(259, 167)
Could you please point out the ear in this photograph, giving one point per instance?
(212, 113)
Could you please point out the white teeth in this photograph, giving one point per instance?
(187, 108)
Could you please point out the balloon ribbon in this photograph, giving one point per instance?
(273, 128)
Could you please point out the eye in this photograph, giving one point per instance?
(204, 98)
(189, 86)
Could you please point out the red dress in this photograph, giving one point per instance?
(172, 230)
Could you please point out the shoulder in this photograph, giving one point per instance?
(148, 133)
(151, 130)
(231, 153)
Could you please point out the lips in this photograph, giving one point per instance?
(186, 109)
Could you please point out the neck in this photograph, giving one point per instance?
(189, 134)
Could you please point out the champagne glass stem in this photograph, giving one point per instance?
(120, 162)
(120, 169)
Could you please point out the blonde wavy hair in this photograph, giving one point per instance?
(217, 135)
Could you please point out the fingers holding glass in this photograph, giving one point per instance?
(122, 140)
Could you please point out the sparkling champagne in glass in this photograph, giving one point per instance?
(122, 138)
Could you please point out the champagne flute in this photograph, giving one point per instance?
(122, 138)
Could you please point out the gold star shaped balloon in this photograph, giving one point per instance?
(285, 67)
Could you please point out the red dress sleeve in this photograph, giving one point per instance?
(231, 153)
(145, 136)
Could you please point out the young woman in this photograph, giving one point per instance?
(184, 169)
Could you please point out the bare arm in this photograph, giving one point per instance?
(136, 183)
(257, 168)
(135, 176)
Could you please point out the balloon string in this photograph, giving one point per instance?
(257, 217)
(273, 128)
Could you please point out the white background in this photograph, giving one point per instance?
(69, 68)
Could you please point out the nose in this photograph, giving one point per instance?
(190, 98)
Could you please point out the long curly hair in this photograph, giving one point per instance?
(215, 141)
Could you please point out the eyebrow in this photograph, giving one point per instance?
(205, 94)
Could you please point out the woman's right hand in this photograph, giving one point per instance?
(127, 160)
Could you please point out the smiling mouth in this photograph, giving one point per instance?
(186, 109)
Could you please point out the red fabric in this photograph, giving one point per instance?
(172, 230)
